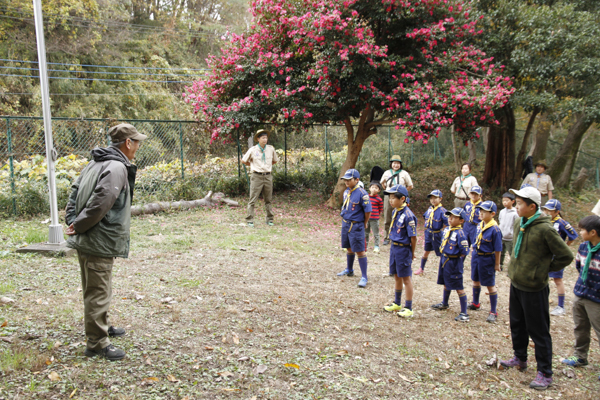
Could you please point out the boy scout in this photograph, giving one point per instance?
(355, 214)
(260, 159)
(541, 181)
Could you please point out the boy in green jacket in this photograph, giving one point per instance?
(537, 250)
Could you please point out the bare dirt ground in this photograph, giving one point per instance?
(214, 309)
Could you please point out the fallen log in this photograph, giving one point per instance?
(210, 200)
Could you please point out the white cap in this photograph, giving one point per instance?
(529, 192)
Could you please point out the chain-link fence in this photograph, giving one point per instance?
(177, 161)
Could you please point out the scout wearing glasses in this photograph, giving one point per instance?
(567, 233)
(356, 210)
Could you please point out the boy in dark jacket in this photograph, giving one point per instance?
(537, 250)
(586, 306)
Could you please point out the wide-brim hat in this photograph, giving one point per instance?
(120, 133)
(400, 189)
(488, 205)
(542, 163)
(552, 205)
(528, 192)
(261, 132)
(395, 157)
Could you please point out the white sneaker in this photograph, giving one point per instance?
(376, 249)
(558, 311)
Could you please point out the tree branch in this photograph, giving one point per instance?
(377, 123)
(349, 130)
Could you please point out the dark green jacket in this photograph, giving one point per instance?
(542, 250)
(99, 206)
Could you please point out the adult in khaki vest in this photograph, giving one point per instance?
(260, 159)
(541, 181)
(99, 214)
(461, 187)
(393, 176)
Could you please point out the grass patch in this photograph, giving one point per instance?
(17, 358)
(6, 287)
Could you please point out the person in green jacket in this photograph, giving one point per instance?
(537, 250)
(98, 216)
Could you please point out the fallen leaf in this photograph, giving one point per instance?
(226, 374)
(171, 378)
(505, 384)
(236, 339)
(249, 309)
(73, 393)
(57, 344)
(139, 297)
(148, 361)
(150, 380)
(244, 358)
(209, 348)
(54, 376)
(405, 379)
(224, 339)
(342, 353)
(5, 323)
(492, 361)
(261, 369)
(230, 390)
(569, 373)
(447, 365)
(376, 380)
(7, 339)
(166, 300)
(291, 365)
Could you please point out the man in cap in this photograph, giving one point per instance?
(260, 158)
(392, 177)
(541, 181)
(98, 216)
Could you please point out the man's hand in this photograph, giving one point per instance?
(71, 230)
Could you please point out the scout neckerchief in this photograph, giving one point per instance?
(447, 236)
(464, 178)
(472, 215)
(539, 176)
(394, 216)
(347, 199)
(263, 152)
(523, 227)
(430, 217)
(394, 174)
(556, 218)
(588, 260)
(483, 228)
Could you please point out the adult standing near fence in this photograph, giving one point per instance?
(260, 158)
(396, 175)
(462, 186)
(98, 214)
(540, 180)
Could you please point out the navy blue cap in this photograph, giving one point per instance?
(436, 193)
(525, 185)
(476, 189)
(400, 189)
(553, 205)
(488, 206)
(457, 212)
(351, 173)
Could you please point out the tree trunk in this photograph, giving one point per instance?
(524, 143)
(472, 152)
(542, 134)
(580, 180)
(456, 150)
(210, 200)
(564, 162)
(500, 155)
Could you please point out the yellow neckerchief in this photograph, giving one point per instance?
(473, 210)
(347, 200)
(394, 216)
(483, 228)
(447, 236)
(430, 217)
(556, 219)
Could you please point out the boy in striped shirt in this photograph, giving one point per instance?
(376, 210)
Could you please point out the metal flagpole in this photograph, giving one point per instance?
(55, 235)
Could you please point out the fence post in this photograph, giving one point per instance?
(434, 147)
(597, 173)
(285, 148)
(389, 144)
(326, 150)
(411, 153)
(237, 133)
(12, 167)
(181, 151)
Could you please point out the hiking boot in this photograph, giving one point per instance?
(392, 308)
(376, 249)
(575, 362)
(110, 352)
(541, 381)
(405, 313)
(346, 272)
(116, 332)
(474, 306)
(558, 311)
(514, 363)
(363, 282)
(462, 317)
(492, 318)
(440, 306)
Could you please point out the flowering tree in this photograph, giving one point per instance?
(364, 62)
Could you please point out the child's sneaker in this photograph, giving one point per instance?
(405, 313)
(363, 282)
(440, 306)
(251, 224)
(346, 272)
(514, 363)
(462, 317)
(376, 249)
(575, 362)
(492, 318)
(474, 306)
(392, 308)
(541, 381)
(558, 311)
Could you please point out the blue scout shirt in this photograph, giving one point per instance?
(356, 204)
(472, 220)
(491, 240)
(438, 221)
(591, 288)
(564, 229)
(457, 244)
(404, 226)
